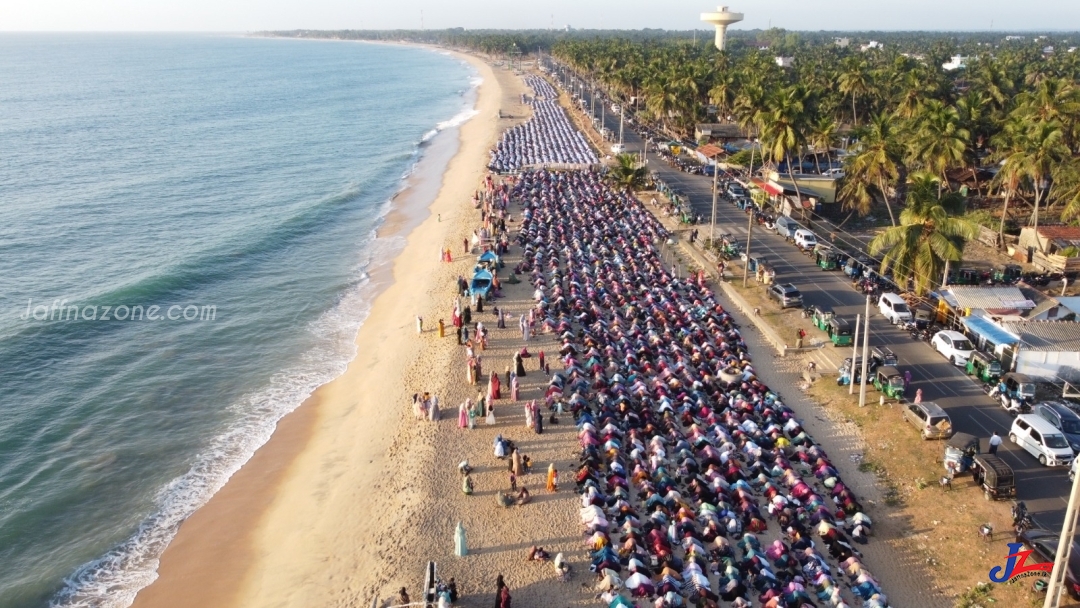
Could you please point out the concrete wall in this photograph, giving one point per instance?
(1054, 366)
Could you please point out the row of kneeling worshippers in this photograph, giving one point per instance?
(547, 137)
(698, 483)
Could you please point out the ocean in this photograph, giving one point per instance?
(187, 228)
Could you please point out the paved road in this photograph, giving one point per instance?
(1045, 490)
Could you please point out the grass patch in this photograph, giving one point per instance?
(937, 528)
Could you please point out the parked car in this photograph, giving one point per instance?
(1040, 439)
(954, 345)
(1063, 419)
(894, 308)
(618, 148)
(805, 239)
(736, 191)
(786, 227)
(1044, 545)
(930, 419)
(787, 295)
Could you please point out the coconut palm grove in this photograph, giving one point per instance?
(991, 119)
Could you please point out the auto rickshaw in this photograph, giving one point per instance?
(820, 317)
(839, 331)
(854, 267)
(1009, 273)
(754, 261)
(881, 355)
(1016, 387)
(994, 476)
(923, 318)
(968, 276)
(960, 452)
(827, 258)
(852, 372)
(887, 380)
(984, 366)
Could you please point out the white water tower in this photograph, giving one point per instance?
(721, 19)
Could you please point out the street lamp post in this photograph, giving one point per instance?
(715, 193)
(865, 353)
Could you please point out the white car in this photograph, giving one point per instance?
(954, 345)
(805, 239)
(618, 148)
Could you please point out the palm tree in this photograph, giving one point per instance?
(1008, 149)
(931, 234)
(877, 164)
(1041, 150)
(854, 81)
(821, 136)
(629, 173)
(939, 142)
(782, 130)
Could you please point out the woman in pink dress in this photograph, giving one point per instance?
(463, 416)
(514, 388)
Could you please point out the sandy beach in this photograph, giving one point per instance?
(351, 496)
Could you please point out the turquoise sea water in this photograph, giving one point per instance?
(235, 184)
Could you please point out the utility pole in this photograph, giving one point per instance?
(715, 193)
(1068, 530)
(622, 113)
(865, 354)
(602, 117)
(854, 355)
(749, 232)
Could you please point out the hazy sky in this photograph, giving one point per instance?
(250, 15)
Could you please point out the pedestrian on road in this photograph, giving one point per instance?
(995, 441)
(907, 379)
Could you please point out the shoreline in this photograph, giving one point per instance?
(218, 549)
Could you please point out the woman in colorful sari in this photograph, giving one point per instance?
(552, 478)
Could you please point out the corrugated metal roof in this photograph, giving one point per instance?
(970, 296)
(1052, 336)
(988, 329)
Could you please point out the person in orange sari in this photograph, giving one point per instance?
(552, 478)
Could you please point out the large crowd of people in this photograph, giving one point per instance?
(689, 464)
(547, 138)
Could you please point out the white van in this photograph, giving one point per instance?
(805, 239)
(1041, 439)
(894, 308)
(618, 149)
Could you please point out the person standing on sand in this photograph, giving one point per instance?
(514, 388)
(419, 324)
(494, 387)
(464, 246)
(502, 593)
(463, 415)
(466, 316)
(442, 329)
(433, 409)
(552, 478)
(458, 330)
(515, 463)
(540, 356)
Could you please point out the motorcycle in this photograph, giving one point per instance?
(1021, 518)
